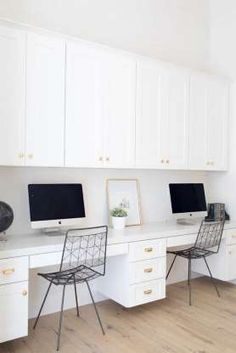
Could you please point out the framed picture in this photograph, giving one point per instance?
(124, 193)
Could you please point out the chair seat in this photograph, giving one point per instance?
(78, 274)
(193, 253)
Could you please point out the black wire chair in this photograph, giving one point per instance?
(83, 259)
(207, 243)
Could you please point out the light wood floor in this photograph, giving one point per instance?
(167, 326)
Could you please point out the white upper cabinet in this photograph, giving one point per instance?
(208, 123)
(100, 108)
(149, 111)
(162, 116)
(119, 83)
(12, 96)
(45, 89)
(84, 126)
(82, 105)
(175, 118)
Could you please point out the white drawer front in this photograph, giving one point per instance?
(13, 270)
(14, 311)
(42, 260)
(231, 237)
(147, 292)
(145, 250)
(147, 270)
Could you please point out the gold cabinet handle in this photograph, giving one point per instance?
(107, 159)
(162, 161)
(148, 270)
(100, 159)
(30, 155)
(21, 155)
(207, 163)
(148, 291)
(167, 161)
(148, 249)
(24, 292)
(8, 271)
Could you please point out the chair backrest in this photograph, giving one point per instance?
(85, 246)
(210, 235)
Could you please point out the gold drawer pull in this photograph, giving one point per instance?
(148, 249)
(233, 236)
(8, 271)
(148, 270)
(24, 292)
(148, 291)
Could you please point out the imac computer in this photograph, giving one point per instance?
(54, 206)
(187, 201)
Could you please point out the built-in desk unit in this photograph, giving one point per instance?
(135, 273)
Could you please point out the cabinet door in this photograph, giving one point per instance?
(14, 311)
(148, 114)
(12, 96)
(45, 101)
(198, 122)
(84, 125)
(119, 80)
(174, 121)
(217, 124)
(208, 123)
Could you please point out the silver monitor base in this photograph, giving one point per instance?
(187, 222)
(54, 232)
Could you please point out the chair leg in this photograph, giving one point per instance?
(95, 308)
(189, 281)
(60, 319)
(42, 305)
(76, 298)
(172, 264)
(211, 277)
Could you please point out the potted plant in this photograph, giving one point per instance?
(118, 217)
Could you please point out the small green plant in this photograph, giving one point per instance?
(118, 212)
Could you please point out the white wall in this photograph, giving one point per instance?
(153, 189)
(223, 59)
(175, 30)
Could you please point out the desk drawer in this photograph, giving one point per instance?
(147, 292)
(147, 270)
(13, 270)
(145, 250)
(42, 260)
(231, 237)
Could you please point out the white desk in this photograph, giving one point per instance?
(136, 267)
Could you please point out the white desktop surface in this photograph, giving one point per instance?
(38, 243)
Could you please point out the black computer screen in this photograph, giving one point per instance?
(187, 198)
(55, 201)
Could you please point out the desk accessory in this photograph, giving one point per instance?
(124, 193)
(119, 216)
(215, 212)
(6, 218)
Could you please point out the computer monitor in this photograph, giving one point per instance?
(55, 205)
(187, 201)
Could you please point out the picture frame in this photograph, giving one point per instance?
(125, 193)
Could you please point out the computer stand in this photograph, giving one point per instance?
(187, 222)
(54, 232)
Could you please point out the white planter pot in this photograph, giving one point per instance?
(118, 222)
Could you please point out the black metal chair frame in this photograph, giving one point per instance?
(83, 259)
(207, 243)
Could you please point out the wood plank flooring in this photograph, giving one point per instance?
(167, 326)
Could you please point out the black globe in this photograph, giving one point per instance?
(6, 216)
